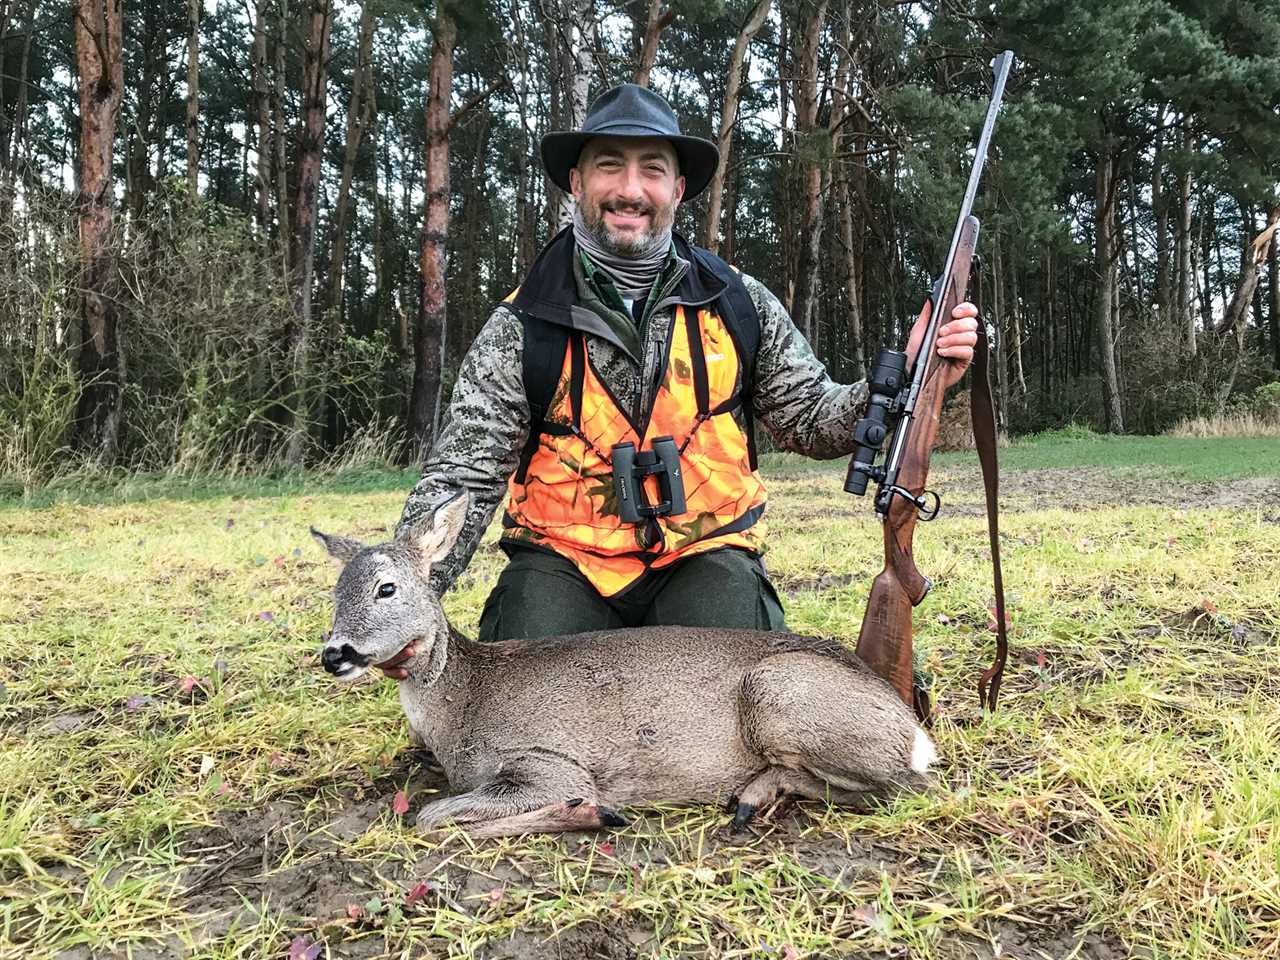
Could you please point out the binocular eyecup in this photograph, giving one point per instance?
(630, 469)
(885, 384)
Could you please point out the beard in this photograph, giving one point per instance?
(629, 243)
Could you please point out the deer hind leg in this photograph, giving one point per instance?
(530, 791)
(776, 782)
(836, 722)
(501, 809)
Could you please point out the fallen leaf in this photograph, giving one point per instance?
(420, 890)
(1171, 541)
(301, 948)
(869, 914)
(355, 911)
(496, 895)
(373, 905)
(277, 759)
(789, 952)
(400, 803)
(189, 683)
(206, 765)
(606, 848)
(266, 616)
(1208, 606)
(279, 561)
(1041, 660)
(704, 875)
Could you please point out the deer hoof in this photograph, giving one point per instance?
(610, 817)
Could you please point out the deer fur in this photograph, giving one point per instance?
(557, 733)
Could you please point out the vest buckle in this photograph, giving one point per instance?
(630, 469)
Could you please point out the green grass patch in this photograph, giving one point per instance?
(178, 777)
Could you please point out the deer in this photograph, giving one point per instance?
(560, 733)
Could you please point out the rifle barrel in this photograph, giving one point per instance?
(1000, 66)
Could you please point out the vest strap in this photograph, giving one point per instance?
(698, 360)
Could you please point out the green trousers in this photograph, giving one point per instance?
(541, 594)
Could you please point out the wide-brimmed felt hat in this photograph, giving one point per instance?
(630, 110)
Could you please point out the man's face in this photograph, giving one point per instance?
(628, 190)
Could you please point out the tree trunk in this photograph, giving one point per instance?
(526, 226)
(18, 123)
(660, 17)
(999, 311)
(1273, 306)
(262, 104)
(1105, 259)
(728, 115)
(1014, 309)
(852, 281)
(193, 96)
(1234, 322)
(429, 335)
(812, 165)
(1160, 211)
(98, 36)
(358, 114)
(283, 215)
(1186, 317)
(310, 153)
(585, 30)
(6, 122)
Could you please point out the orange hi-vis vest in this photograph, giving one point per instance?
(562, 497)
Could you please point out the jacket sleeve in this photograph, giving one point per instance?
(479, 446)
(804, 410)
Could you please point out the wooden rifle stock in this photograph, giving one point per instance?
(884, 641)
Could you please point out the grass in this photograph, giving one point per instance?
(177, 776)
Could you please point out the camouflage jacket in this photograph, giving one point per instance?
(487, 422)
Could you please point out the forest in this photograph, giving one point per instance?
(237, 235)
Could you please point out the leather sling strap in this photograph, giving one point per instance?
(982, 412)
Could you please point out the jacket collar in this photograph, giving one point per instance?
(549, 292)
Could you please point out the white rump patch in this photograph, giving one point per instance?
(923, 752)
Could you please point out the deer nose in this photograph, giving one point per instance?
(334, 658)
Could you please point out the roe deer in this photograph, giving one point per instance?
(556, 733)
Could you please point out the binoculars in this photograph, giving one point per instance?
(630, 469)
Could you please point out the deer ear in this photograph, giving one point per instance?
(341, 549)
(434, 538)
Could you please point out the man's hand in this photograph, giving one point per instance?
(956, 340)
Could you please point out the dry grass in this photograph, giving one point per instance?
(1123, 803)
(1244, 424)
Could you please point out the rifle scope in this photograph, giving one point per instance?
(885, 384)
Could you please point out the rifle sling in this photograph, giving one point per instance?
(982, 411)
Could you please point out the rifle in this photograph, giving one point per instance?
(913, 403)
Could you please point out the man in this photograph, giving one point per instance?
(624, 333)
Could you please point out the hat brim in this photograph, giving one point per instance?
(698, 158)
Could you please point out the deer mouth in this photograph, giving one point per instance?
(394, 667)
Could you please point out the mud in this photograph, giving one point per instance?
(1095, 488)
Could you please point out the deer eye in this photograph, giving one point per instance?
(386, 590)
